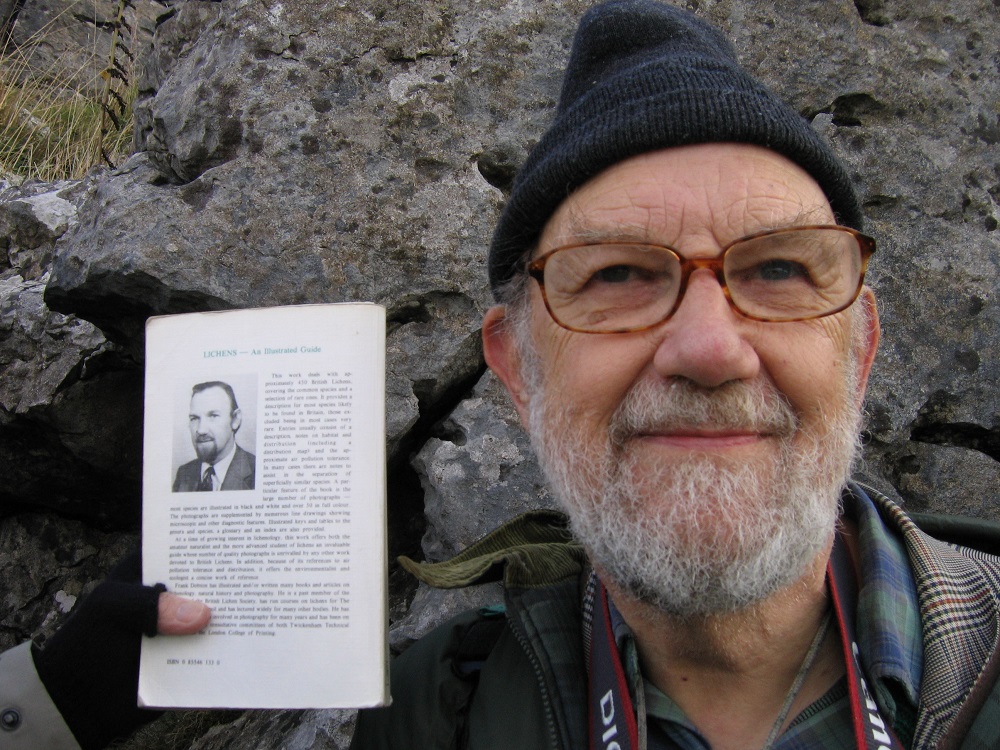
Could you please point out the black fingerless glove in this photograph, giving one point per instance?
(90, 667)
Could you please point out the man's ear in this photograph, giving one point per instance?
(867, 339)
(235, 420)
(504, 358)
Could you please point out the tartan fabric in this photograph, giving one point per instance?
(957, 589)
(889, 635)
(928, 631)
(888, 619)
(821, 726)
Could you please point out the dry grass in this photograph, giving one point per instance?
(51, 124)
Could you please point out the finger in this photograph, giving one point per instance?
(180, 616)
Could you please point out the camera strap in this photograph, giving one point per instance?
(612, 717)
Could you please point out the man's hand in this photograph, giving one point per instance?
(90, 666)
(180, 616)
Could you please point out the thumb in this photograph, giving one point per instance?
(180, 616)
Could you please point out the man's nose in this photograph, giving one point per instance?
(703, 340)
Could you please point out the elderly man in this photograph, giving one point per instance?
(684, 330)
(685, 333)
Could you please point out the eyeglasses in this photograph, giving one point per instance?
(798, 273)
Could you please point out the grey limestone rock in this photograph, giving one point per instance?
(316, 151)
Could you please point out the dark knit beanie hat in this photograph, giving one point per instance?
(643, 76)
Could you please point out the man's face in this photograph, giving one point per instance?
(213, 424)
(700, 461)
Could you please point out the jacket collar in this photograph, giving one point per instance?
(957, 590)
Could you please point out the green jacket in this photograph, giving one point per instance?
(516, 678)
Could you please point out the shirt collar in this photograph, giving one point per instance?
(888, 627)
(220, 467)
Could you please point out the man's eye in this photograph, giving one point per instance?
(615, 274)
(781, 270)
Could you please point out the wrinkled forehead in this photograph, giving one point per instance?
(717, 192)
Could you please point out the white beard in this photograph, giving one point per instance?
(702, 535)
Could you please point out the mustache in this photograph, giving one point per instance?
(679, 404)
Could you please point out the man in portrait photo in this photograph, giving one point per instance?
(214, 418)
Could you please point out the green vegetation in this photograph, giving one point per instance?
(59, 122)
